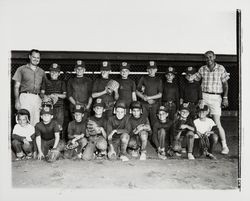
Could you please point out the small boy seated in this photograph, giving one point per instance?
(161, 130)
(183, 130)
(96, 133)
(206, 132)
(47, 134)
(140, 130)
(23, 135)
(118, 129)
(76, 134)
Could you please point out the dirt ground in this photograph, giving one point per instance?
(177, 173)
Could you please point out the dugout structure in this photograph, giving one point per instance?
(138, 62)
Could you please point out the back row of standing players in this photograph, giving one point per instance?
(152, 93)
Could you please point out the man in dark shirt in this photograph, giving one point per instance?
(118, 129)
(149, 89)
(57, 88)
(100, 90)
(170, 96)
(190, 92)
(127, 86)
(79, 89)
(47, 134)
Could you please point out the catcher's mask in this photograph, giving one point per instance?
(22, 112)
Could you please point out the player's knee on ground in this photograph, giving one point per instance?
(102, 144)
(124, 138)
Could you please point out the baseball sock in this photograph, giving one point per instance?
(223, 143)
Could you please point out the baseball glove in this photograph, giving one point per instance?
(92, 128)
(71, 145)
(52, 155)
(112, 85)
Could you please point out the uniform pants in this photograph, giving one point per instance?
(19, 146)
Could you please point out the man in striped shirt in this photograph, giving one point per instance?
(214, 85)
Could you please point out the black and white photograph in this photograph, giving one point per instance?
(112, 99)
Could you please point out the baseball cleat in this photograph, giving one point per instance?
(124, 158)
(225, 150)
(191, 156)
(143, 156)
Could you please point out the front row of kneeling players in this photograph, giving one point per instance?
(121, 136)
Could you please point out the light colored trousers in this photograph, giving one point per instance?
(32, 103)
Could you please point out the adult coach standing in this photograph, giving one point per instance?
(214, 91)
(28, 79)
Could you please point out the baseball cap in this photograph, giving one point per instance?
(171, 69)
(185, 106)
(55, 67)
(105, 66)
(163, 108)
(124, 65)
(98, 102)
(189, 70)
(152, 64)
(79, 108)
(136, 104)
(23, 112)
(80, 63)
(46, 110)
(204, 108)
(120, 104)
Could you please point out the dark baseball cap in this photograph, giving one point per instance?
(170, 69)
(163, 108)
(46, 110)
(185, 106)
(80, 63)
(124, 65)
(189, 71)
(98, 102)
(79, 108)
(136, 104)
(55, 67)
(203, 109)
(120, 104)
(105, 66)
(151, 64)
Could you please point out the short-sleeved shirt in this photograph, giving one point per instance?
(25, 132)
(54, 86)
(99, 86)
(80, 89)
(47, 131)
(204, 126)
(76, 128)
(212, 80)
(191, 92)
(170, 92)
(153, 85)
(29, 79)
(127, 87)
(134, 122)
(121, 125)
(101, 122)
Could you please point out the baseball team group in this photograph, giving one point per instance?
(116, 119)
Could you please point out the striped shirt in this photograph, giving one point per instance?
(212, 80)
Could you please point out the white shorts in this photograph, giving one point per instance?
(213, 101)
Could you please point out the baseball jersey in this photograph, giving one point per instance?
(29, 79)
(80, 88)
(54, 86)
(99, 86)
(121, 125)
(101, 122)
(203, 126)
(127, 86)
(76, 128)
(153, 85)
(212, 80)
(134, 122)
(170, 93)
(191, 92)
(24, 132)
(47, 131)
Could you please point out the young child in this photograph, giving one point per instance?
(190, 92)
(161, 133)
(183, 129)
(100, 90)
(127, 86)
(140, 131)
(23, 135)
(79, 89)
(170, 96)
(77, 133)
(56, 89)
(206, 132)
(118, 129)
(48, 135)
(149, 89)
(96, 132)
